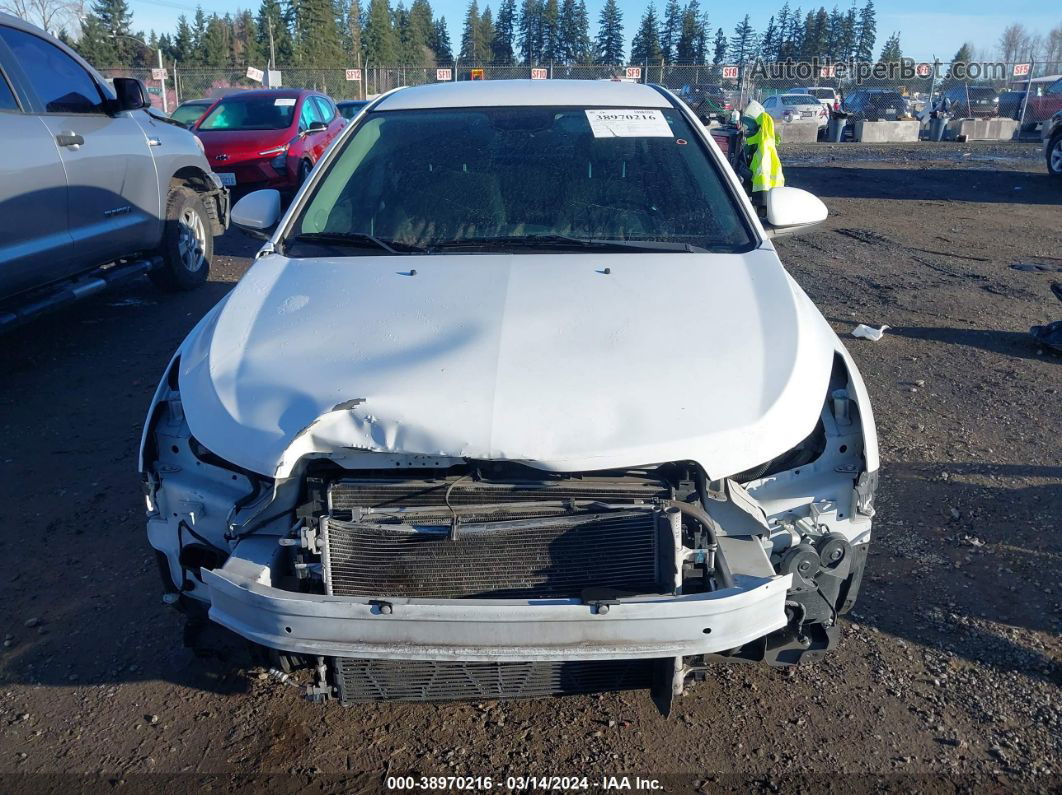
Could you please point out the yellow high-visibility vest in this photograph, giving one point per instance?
(766, 166)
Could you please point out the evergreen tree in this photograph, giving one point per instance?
(473, 49)
(529, 30)
(689, 34)
(245, 50)
(501, 47)
(273, 32)
(199, 28)
(816, 34)
(867, 33)
(381, 41)
(421, 53)
(214, 49)
(400, 23)
(891, 51)
(104, 34)
(769, 41)
(354, 44)
(609, 42)
(670, 30)
(835, 35)
(793, 39)
(551, 37)
(93, 44)
(719, 47)
(703, 34)
(182, 50)
(486, 33)
(847, 41)
(645, 47)
(963, 55)
(166, 45)
(575, 32)
(440, 42)
(319, 42)
(781, 30)
(743, 42)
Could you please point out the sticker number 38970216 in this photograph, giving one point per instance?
(628, 123)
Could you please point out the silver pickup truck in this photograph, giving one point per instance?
(94, 188)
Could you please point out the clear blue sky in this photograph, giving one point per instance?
(925, 33)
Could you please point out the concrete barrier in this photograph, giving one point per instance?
(892, 132)
(982, 129)
(798, 132)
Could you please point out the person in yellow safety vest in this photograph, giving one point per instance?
(766, 166)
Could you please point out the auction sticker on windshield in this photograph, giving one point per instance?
(628, 123)
(283, 102)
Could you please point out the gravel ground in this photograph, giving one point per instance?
(948, 673)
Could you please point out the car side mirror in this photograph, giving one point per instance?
(316, 127)
(792, 210)
(130, 94)
(256, 214)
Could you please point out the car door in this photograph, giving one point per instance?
(113, 193)
(330, 116)
(35, 246)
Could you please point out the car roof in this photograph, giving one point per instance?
(507, 93)
(272, 92)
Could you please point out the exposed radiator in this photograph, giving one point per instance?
(413, 680)
(454, 539)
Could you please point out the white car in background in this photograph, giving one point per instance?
(829, 97)
(788, 108)
(516, 399)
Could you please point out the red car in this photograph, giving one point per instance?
(268, 138)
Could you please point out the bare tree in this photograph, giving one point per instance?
(1013, 42)
(51, 15)
(1052, 48)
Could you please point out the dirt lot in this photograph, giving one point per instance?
(949, 669)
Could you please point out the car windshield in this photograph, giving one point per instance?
(189, 113)
(799, 99)
(251, 113)
(821, 93)
(520, 179)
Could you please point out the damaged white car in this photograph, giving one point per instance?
(517, 400)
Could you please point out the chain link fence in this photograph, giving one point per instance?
(1030, 93)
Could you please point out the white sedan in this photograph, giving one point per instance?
(517, 399)
(796, 108)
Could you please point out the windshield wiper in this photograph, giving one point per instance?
(356, 240)
(560, 241)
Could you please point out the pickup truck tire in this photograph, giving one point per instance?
(1054, 156)
(187, 242)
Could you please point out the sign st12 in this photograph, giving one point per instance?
(354, 74)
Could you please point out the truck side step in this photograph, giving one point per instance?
(60, 295)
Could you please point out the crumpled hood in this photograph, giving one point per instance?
(548, 360)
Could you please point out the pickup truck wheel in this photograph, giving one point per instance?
(1054, 156)
(187, 242)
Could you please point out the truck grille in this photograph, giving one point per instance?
(494, 540)
(414, 680)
